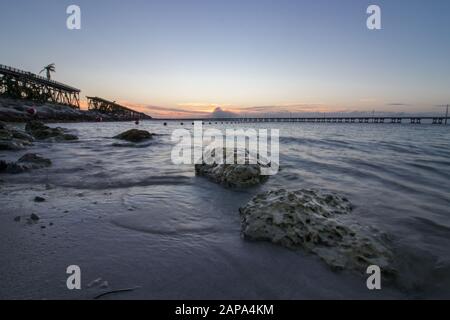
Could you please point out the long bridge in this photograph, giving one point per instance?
(114, 109)
(19, 84)
(438, 120)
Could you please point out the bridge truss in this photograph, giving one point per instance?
(112, 108)
(19, 84)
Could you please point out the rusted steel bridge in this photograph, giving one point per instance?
(362, 120)
(19, 84)
(113, 109)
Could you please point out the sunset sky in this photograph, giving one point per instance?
(189, 57)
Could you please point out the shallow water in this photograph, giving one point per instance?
(129, 215)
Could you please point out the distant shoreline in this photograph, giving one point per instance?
(15, 111)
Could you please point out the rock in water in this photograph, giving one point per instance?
(13, 139)
(232, 175)
(42, 132)
(19, 135)
(38, 129)
(12, 167)
(27, 162)
(318, 223)
(39, 199)
(134, 135)
(11, 145)
(34, 161)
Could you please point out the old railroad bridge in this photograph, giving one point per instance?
(19, 84)
(111, 107)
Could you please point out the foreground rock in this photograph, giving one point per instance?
(13, 139)
(42, 132)
(318, 223)
(232, 175)
(134, 135)
(30, 161)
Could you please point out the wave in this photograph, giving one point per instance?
(316, 142)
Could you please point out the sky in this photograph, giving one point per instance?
(190, 57)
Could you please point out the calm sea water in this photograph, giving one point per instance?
(177, 235)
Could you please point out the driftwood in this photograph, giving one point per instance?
(114, 291)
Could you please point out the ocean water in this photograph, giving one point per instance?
(130, 216)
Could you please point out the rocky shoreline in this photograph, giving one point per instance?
(14, 139)
(13, 110)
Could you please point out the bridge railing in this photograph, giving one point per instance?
(36, 76)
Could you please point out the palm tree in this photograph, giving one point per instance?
(49, 68)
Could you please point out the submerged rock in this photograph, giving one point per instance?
(20, 135)
(13, 145)
(28, 162)
(134, 135)
(39, 199)
(232, 175)
(11, 167)
(318, 223)
(13, 139)
(42, 132)
(35, 161)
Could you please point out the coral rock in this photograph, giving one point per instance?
(318, 223)
(232, 175)
(134, 135)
